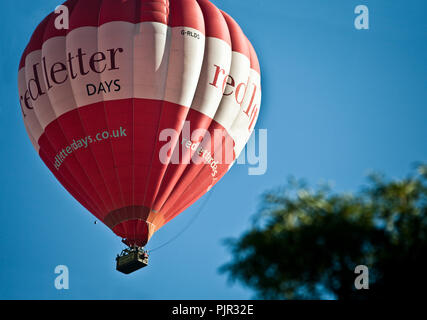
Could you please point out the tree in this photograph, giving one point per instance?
(307, 243)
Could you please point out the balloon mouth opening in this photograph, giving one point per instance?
(135, 242)
(135, 232)
(132, 224)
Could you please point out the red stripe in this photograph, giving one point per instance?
(67, 180)
(201, 15)
(154, 11)
(51, 31)
(85, 14)
(113, 10)
(187, 181)
(172, 117)
(254, 59)
(174, 171)
(186, 13)
(238, 39)
(215, 24)
(36, 41)
(103, 174)
(54, 139)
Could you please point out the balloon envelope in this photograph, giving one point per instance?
(140, 106)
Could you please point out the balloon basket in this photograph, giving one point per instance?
(131, 259)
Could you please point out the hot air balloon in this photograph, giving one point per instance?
(140, 106)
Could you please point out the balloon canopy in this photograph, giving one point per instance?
(139, 107)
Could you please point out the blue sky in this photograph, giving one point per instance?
(337, 103)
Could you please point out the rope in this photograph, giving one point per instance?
(187, 226)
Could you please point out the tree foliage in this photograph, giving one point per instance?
(306, 243)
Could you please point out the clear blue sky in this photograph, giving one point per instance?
(337, 102)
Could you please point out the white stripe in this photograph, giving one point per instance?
(118, 34)
(61, 95)
(151, 55)
(208, 97)
(185, 63)
(42, 107)
(242, 129)
(31, 121)
(229, 106)
(157, 62)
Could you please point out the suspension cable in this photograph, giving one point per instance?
(188, 224)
